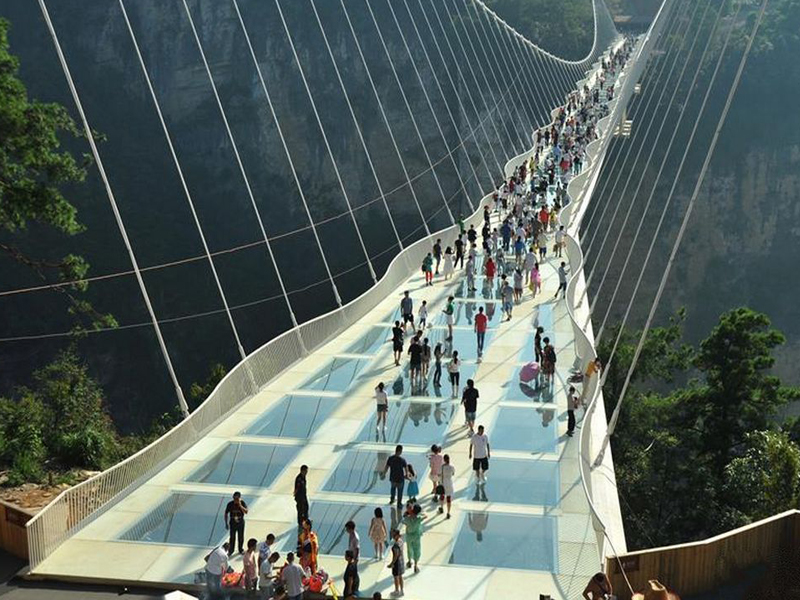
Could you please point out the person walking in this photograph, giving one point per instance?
(437, 255)
(471, 274)
(413, 524)
(382, 406)
(377, 533)
(413, 484)
(216, 566)
(397, 564)
(479, 453)
(437, 368)
(301, 495)
(427, 268)
(351, 579)
(481, 324)
(505, 231)
(517, 285)
(415, 361)
(528, 263)
(453, 368)
(459, 244)
(353, 540)
(519, 251)
(536, 279)
(450, 314)
(407, 310)
(507, 295)
(469, 399)
(448, 263)
(235, 511)
(573, 402)
(426, 358)
(537, 344)
(422, 315)
(491, 270)
(560, 233)
(542, 243)
(397, 342)
(398, 471)
(445, 489)
(562, 280)
(435, 462)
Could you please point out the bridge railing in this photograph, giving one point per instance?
(77, 506)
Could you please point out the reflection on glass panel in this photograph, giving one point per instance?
(518, 482)
(506, 541)
(525, 429)
(329, 519)
(419, 423)
(401, 384)
(245, 464)
(294, 417)
(371, 341)
(336, 376)
(362, 471)
(543, 317)
(534, 390)
(187, 519)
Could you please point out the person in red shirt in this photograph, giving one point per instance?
(491, 269)
(544, 217)
(481, 323)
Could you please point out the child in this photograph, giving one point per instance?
(423, 315)
(249, 560)
(377, 533)
(413, 486)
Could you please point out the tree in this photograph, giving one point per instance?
(765, 480)
(740, 394)
(33, 168)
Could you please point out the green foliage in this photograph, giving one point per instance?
(22, 447)
(198, 393)
(687, 465)
(33, 168)
(765, 480)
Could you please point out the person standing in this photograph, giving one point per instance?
(397, 342)
(382, 406)
(266, 575)
(435, 462)
(481, 324)
(560, 241)
(480, 453)
(542, 243)
(216, 565)
(377, 533)
(426, 359)
(594, 367)
(427, 268)
(415, 361)
(453, 368)
(353, 540)
(472, 235)
(301, 495)
(471, 274)
(235, 511)
(437, 254)
(517, 285)
(309, 544)
(530, 260)
(573, 402)
(397, 564)
(351, 579)
(562, 279)
(445, 489)
(505, 231)
(507, 294)
(265, 548)
(422, 315)
(537, 344)
(407, 310)
(292, 576)
(548, 361)
(491, 270)
(249, 565)
(470, 401)
(398, 471)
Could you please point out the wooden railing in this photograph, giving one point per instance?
(703, 566)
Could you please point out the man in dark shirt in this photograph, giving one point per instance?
(472, 235)
(459, 252)
(415, 361)
(470, 401)
(397, 342)
(301, 494)
(397, 467)
(234, 521)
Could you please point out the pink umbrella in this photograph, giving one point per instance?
(529, 372)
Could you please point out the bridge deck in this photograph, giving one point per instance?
(528, 528)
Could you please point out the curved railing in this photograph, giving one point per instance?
(79, 505)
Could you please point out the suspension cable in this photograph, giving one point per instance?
(185, 187)
(325, 140)
(114, 208)
(646, 210)
(690, 207)
(408, 107)
(356, 123)
(428, 101)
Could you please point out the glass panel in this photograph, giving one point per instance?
(190, 519)
(336, 376)
(294, 417)
(371, 341)
(419, 423)
(329, 519)
(466, 311)
(518, 482)
(506, 541)
(542, 316)
(525, 429)
(534, 390)
(401, 384)
(245, 464)
(361, 471)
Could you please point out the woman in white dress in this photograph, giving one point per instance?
(448, 263)
(445, 488)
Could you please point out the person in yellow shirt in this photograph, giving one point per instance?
(593, 368)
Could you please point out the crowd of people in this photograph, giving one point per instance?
(520, 225)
